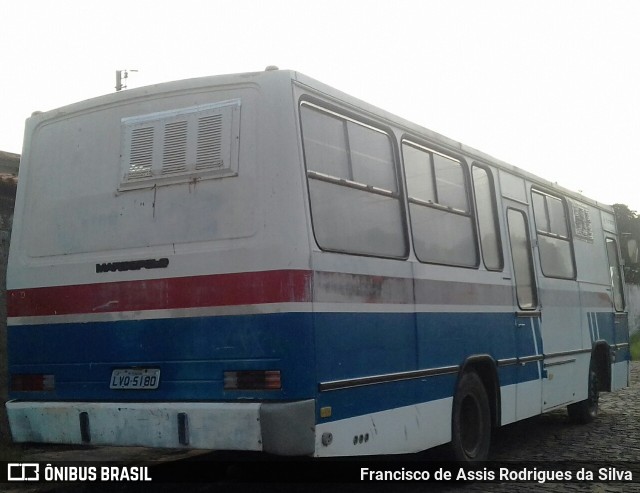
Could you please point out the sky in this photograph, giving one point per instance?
(551, 86)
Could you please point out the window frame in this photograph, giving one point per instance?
(533, 286)
(550, 234)
(615, 264)
(495, 213)
(336, 112)
(421, 145)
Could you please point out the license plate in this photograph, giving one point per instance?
(135, 378)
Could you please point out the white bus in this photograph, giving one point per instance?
(261, 262)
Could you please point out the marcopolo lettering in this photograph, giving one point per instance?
(161, 263)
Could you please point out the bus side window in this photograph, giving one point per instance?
(526, 291)
(487, 218)
(353, 187)
(441, 220)
(554, 242)
(614, 271)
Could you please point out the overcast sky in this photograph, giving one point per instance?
(550, 86)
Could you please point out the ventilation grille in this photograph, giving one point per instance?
(209, 142)
(177, 146)
(141, 158)
(174, 157)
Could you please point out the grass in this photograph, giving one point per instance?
(635, 346)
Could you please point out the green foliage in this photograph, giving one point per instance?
(635, 346)
(629, 227)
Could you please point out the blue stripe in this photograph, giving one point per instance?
(363, 344)
(193, 353)
(603, 326)
(360, 344)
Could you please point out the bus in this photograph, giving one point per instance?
(260, 262)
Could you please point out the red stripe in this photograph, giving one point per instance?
(157, 294)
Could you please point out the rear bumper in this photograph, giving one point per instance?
(279, 428)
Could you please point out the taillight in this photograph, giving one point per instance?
(252, 380)
(32, 383)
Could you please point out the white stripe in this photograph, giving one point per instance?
(264, 308)
(535, 345)
(407, 308)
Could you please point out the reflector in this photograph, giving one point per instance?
(252, 380)
(32, 383)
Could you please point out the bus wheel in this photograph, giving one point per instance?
(471, 420)
(586, 411)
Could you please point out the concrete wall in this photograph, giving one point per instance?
(8, 180)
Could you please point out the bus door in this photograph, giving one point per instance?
(529, 353)
(566, 359)
(620, 340)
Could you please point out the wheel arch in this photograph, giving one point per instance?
(487, 369)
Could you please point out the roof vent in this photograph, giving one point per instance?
(271, 67)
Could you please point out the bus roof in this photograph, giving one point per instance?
(289, 76)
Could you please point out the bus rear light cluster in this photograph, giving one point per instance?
(252, 380)
(32, 383)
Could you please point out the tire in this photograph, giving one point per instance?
(586, 411)
(471, 420)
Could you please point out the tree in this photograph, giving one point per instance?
(629, 227)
